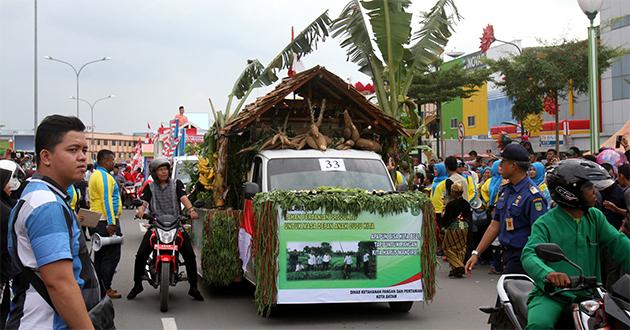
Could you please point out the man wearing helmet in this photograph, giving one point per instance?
(163, 196)
(579, 229)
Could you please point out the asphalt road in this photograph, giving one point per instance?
(455, 305)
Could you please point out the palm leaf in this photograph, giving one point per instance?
(244, 82)
(246, 79)
(303, 44)
(391, 25)
(351, 26)
(430, 40)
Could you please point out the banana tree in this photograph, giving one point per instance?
(253, 76)
(257, 75)
(402, 53)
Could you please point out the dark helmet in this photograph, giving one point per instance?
(157, 163)
(568, 179)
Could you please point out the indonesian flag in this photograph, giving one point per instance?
(138, 160)
(148, 125)
(246, 232)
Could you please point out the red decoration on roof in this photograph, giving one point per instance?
(364, 89)
(487, 38)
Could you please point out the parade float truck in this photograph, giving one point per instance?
(307, 218)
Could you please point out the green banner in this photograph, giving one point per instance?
(330, 257)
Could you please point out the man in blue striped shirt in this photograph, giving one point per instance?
(44, 238)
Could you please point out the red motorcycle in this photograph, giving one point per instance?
(162, 268)
(130, 193)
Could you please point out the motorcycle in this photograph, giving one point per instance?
(602, 310)
(130, 193)
(162, 267)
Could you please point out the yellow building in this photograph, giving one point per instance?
(475, 112)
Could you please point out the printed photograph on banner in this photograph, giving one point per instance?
(331, 261)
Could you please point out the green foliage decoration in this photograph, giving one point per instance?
(220, 260)
(265, 245)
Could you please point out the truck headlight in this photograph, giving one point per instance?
(167, 236)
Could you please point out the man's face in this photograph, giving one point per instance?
(623, 181)
(590, 196)
(162, 173)
(116, 170)
(181, 111)
(506, 168)
(550, 155)
(108, 163)
(67, 161)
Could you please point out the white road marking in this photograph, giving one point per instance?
(169, 323)
(143, 229)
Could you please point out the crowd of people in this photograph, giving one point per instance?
(494, 210)
(44, 250)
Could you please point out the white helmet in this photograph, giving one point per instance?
(17, 173)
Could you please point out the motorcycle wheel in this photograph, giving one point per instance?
(400, 306)
(165, 275)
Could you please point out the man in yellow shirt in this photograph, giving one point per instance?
(105, 199)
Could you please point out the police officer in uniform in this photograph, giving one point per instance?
(519, 204)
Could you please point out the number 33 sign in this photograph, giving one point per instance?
(332, 165)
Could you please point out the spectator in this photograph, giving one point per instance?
(455, 225)
(552, 157)
(451, 164)
(574, 152)
(418, 182)
(181, 118)
(105, 199)
(45, 226)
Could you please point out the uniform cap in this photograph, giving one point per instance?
(515, 151)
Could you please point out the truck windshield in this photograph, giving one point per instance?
(308, 174)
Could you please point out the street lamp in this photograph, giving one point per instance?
(91, 116)
(78, 72)
(591, 8)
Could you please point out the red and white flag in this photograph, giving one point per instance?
(138, 160)
(245, 233)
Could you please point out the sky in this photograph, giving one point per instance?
(168, 53)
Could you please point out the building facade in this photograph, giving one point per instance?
(485, 115)
(615, 82)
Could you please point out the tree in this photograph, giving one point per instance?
(402, 53)
(439, 85)
(550, 73)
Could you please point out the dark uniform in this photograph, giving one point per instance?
(517, 207)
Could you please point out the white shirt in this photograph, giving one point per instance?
(326, 257)
(311, 259)
(347, 260)
(366, 257)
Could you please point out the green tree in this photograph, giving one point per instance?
(402, 53)
(438, 85)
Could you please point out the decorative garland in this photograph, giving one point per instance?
(265, 245)
(219, 256)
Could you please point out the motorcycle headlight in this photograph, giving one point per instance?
(589, 306)
(167, 236)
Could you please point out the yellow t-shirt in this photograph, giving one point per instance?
(437, 197)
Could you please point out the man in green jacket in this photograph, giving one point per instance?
(580, 230)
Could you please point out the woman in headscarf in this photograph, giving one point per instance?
(490, 188)
(438, 189)
(6, 203)
(537, 174)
